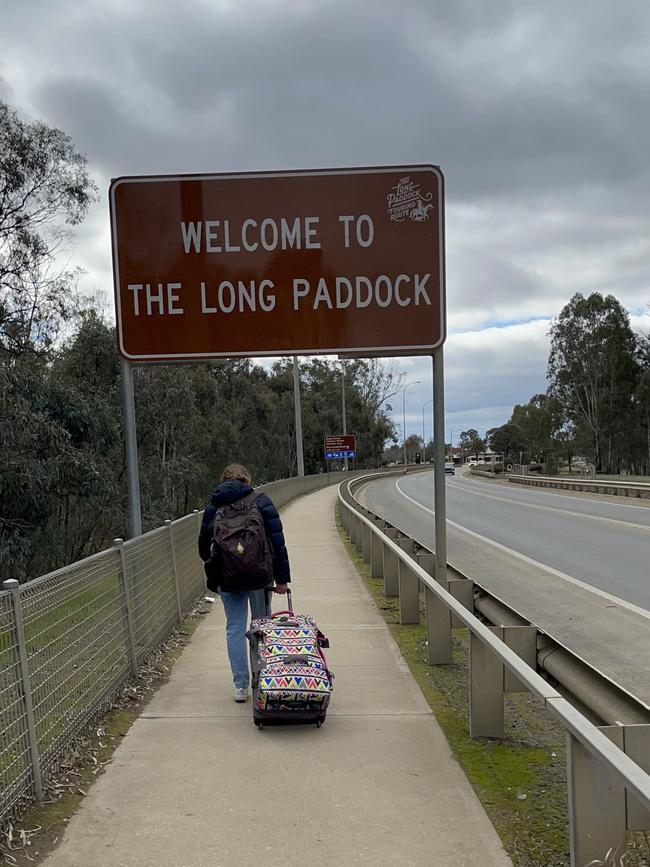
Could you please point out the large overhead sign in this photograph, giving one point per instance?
(282, 263)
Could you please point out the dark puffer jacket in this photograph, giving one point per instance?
(230, 491)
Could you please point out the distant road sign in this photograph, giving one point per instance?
(279, 263)
(340, 443)
(333, 455)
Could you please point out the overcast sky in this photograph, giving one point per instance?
(537, 113)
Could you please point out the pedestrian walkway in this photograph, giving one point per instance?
(195, 784)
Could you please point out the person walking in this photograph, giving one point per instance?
(241, 543)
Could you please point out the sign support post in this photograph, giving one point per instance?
(345, 422)
(298, 411)
(439, 501)
(131, 449)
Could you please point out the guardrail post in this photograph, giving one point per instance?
(344, 515)
(179, 607)
(596, 805)
(355, 529)
(409, 595)
(523, 640)
(348, 521)
(118, 544)
(389, 565)
(427, 561)
(366, 541)
(376, 548)
(462, 589)
(485, 691)
(352, 527)
(637, 747)
(438, 621)
(23, 666)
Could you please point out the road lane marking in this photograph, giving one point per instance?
(559, 495)
(630, 606)
(502, 499)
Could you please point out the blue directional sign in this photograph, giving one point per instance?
(341, 446)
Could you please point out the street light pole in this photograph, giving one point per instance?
(424, 442)
(298, 417)
(415, 382)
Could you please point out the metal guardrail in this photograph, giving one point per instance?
(594, 486)
(72, 639)
(608, 789)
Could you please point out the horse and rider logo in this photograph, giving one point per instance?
(407, 201)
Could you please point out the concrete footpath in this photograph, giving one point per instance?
(194, 783)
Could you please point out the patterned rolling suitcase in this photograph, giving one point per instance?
(291, 680)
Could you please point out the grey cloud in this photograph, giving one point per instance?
(536, 112)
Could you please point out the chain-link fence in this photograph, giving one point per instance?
(70, 641)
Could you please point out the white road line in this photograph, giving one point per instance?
(636, 609)
(559, 495)
(467, 489)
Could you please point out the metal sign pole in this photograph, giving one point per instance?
(131, 449)
(440, 506)
(296, 400)
(345, 423)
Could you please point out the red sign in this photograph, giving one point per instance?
(344, 443)
(282, 263)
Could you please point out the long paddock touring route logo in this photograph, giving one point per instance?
(407, 200)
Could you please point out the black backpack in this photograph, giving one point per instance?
(241, 547)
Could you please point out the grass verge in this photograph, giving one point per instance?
(39, 827)
(520, 780)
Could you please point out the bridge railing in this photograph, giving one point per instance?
(608, 789)
(593, 485)
(72, 639)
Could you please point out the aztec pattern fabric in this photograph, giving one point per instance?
(290, 673)
(287, 621)
(287, 687)
(296, 636)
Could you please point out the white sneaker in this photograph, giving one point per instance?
(241, 693)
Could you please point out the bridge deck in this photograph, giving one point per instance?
(194, 783)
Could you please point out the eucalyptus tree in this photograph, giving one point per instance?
(45, 190)
(593, 372)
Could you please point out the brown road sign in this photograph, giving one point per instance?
(279, 263)
(344, 442)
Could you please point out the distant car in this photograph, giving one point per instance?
(450, 470)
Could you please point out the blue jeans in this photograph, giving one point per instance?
(236, 608)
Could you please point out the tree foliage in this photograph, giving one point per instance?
(63, 493)
(593, 372)
(44, 190)
(470, 441)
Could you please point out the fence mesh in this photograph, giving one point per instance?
(15, 765)
(75, 631)
(191, 579)
(77, 642)
(152, 588)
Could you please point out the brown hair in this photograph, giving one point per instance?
(236, 471)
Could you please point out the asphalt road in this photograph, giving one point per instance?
(601, 541)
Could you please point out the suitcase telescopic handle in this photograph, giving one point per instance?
(289, 610)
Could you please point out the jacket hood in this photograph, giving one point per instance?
(229, 491)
